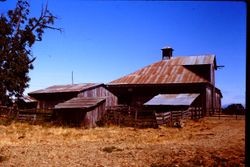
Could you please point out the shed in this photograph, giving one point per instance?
(78, 104)
(47, 98)
(81, 111)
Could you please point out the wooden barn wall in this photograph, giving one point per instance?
(208, 98)
(217, 101)
(213, 100)
(212, 73)
(69, 116)
(47, 104)
(137, 96)
(111, 99)
(29, 105)
(93, 116)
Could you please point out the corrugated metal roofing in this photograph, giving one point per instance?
(167, 71)
(66, 88)
(80, 103)
(184, 99)
(28, 99)
(191, 60)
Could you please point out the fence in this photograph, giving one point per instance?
(171, 117)
(34, 115)
(196, 112)
(129, 116)
(7, 112)
(25, 115)
(221, 115)
(138, 117)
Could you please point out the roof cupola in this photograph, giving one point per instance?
(167, 53)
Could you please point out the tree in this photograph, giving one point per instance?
(18, 33)
(235, 108)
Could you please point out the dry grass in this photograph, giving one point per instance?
(208, 142)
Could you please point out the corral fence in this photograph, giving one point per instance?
(7, 112)
(25, 115)
(34, 115)
(170, 118)
(138, 117)
(221, 115)
(123, 115)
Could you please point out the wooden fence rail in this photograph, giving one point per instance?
(25, 115)
(171, 117)
(124, 115)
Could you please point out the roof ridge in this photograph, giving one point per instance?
(66, 88)
(167, 71)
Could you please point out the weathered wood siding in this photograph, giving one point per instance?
(88, 118)
(93, 116)
(111, 99)
(208, 99)
(44, 105)
(212, 74)
(217, 101)
(49, 103)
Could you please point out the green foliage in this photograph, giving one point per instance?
(18, 33)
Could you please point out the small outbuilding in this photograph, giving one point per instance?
(76, 104)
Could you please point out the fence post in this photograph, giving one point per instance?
(119, 121)
(171, 118)
(236, 115)
(192, 116)
(219, 114)
(135, 117)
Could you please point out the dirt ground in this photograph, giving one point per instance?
(207, 142)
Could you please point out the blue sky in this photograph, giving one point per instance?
(104, 40)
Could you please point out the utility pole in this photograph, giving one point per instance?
(72, 77)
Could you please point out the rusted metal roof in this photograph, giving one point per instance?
(65, 88)
(28, 99)
(184, 99)
(191, 60)
(167, 71)
(80, 103)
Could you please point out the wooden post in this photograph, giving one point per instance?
(195, 109)
(219, 114)
(235, 114)
(171, 118)
(119, 119)
(192, 116)
(135, 117)
(163, 121)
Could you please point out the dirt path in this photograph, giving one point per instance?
(207, 142)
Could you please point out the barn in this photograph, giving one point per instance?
(75, 104)
(175, 83)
